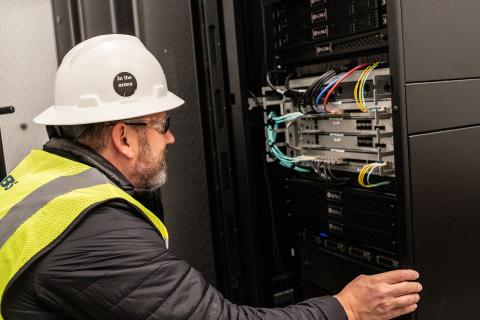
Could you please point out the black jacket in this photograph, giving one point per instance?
(114, 265)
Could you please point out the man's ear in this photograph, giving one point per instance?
(124, 140)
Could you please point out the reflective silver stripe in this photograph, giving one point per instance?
(36, 200)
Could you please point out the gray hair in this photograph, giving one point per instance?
(94, 136)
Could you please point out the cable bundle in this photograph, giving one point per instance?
(309, 98)
(324, 169)
(305, 97)
(284, 160)
(270, 84)
(367, 170)
(288, 91)
(359, 91)
(333, 85)
(292, 92)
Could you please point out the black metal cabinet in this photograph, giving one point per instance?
(441, 40)
(433, 55)
(445, 206)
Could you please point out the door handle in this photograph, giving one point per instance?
(7, 110)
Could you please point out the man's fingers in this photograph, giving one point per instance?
(397, 276)
(403, 310)
(405, 301)
(404, 288)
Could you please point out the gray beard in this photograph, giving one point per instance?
(158, 179)
(152, 178)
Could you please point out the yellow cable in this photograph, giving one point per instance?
(365, 172)
(362, 177)
(362, 173)
(360, 181)
(356, 91)
(362, 85)
(371, 172)
(368, 168)
(363, 107)
(363, 79)
(365, 169)
(355, 94)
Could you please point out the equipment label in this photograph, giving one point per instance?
(318, 33)
(323, 49)
(336, 227)
(334, 195)
(335, 211)
(319, 16)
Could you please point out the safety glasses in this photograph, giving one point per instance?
(161, 125)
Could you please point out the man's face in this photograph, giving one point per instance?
(151, 165)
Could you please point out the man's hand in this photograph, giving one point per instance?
(382, 296)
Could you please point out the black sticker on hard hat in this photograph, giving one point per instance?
(125, 84)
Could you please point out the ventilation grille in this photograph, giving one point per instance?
(371, 41)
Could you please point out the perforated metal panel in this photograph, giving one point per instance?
(28, 62)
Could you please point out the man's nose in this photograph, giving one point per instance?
(169, 137)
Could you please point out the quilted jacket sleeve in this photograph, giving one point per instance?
(113, 265)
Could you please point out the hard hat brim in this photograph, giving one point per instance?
(68, 115)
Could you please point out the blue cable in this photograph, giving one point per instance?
(287, 117)
(331, 84)
(378, 184)
(368, 176)
(284, 160)
(300, 169)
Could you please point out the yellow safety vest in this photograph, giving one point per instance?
(41, 198)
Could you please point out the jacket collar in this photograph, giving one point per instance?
(77, 152)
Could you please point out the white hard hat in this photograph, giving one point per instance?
(107, 78)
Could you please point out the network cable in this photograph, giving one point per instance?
(356, 91)
(336, 83)
(270, 84)
(295, 92)
(319, 97)
(308, 98)
(362, 86)
(324, 170)
(367, 170)
(359, 91)
(272, 128)
(288, 91)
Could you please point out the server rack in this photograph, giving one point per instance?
(429, 204)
